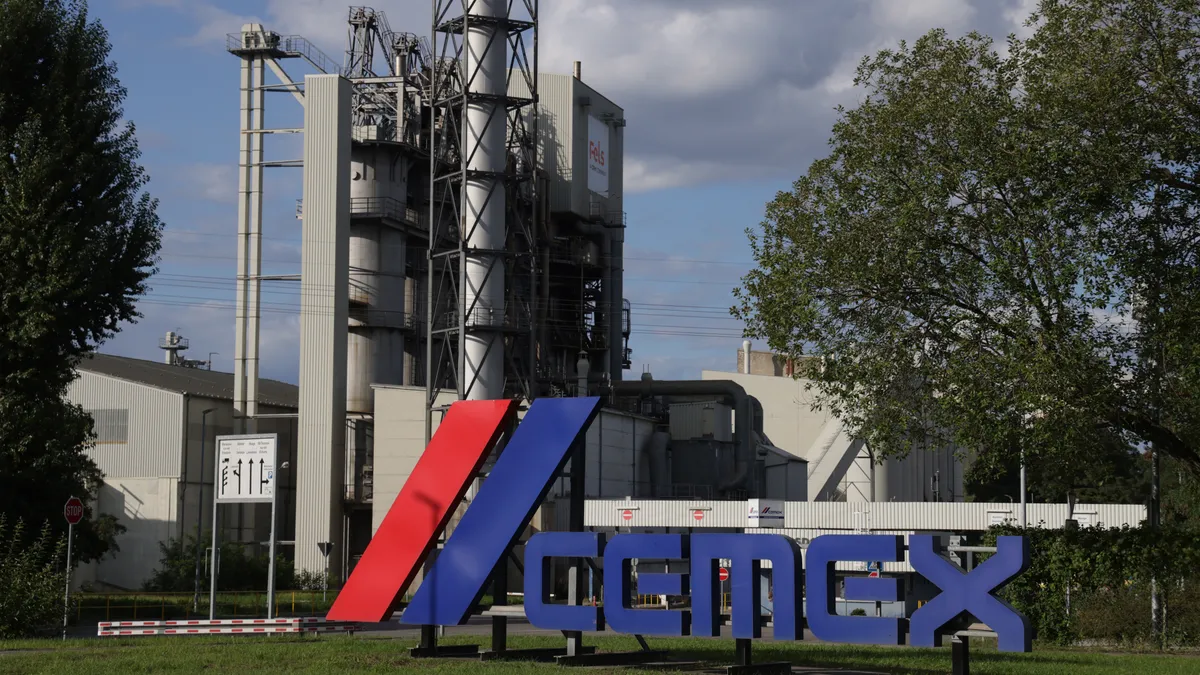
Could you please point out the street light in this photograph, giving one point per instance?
(200, 510)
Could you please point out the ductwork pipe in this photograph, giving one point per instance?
(747, 425)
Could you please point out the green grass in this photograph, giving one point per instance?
(366, 654)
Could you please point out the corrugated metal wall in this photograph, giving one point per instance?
(153, 448)
(613, 442)
(556, 117)
(615, 466)
(709, 419)
(324, 288)
(562, 141)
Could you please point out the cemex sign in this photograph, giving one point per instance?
(536, 453)
(961, 592)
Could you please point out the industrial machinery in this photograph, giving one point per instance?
(462, 230)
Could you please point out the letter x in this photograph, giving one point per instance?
(970, 592)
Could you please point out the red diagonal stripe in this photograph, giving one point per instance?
(438, 482)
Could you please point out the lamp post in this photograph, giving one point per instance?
(200, 509)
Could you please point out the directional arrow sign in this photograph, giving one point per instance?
(247, 472)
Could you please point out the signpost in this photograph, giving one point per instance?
(326, 548)
(724, 574)
(73, 512)
(244, 474)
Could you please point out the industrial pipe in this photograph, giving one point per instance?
(485, 156)
(746, 423)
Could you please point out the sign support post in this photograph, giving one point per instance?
(73, 512)
(67, 591)
(271, 550)
(326, 548)
(244, 474)
(575, 571)
(212, 568)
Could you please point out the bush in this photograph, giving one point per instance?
(240, 570)
(858, 611)
(306, 580)
(32, 580)
(1106, 573)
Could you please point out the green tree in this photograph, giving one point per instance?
(1000, 250)
(78, 240)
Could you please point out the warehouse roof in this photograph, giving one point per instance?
(191, 381)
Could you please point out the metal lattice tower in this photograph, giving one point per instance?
(482, 269)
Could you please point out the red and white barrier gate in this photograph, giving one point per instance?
(224, 627)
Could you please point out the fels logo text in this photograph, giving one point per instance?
(595, 152)
(531, 460)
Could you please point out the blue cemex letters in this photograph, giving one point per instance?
(960, 591)
(618, 556)
(823, 554)
(971, 593)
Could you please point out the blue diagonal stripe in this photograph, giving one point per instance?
(511, 493)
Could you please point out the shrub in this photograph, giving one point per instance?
(306, 580)
(1105, 573)
(32, 580)
(858, 611)
(240, 570)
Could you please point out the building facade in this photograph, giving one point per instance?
(156, 427)
(840, 467)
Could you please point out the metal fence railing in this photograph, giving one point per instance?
(170, 606)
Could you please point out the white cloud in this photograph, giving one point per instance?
(712, 90)
(211, 182)
(1019, 13)
(212, 23)
(906, 18)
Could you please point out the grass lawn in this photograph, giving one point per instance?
(365, 654)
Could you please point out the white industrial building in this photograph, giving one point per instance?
(149, 419)
(840, 467)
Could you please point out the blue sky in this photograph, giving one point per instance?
(726, 103)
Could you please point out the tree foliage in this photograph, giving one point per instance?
(78, 240)
(31, 581)
(1000, 250)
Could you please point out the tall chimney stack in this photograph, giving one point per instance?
(578, 70)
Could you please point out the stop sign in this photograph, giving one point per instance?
(627, 514)
(723, 574)
(73, 510)
(698, 514)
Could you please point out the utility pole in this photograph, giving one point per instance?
(200, 508)
(1024, 506)
(1155, 517)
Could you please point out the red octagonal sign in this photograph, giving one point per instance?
(73, 510)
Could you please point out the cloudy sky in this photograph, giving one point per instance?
(726, 103)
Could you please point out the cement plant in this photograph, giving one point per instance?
(463, 231)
